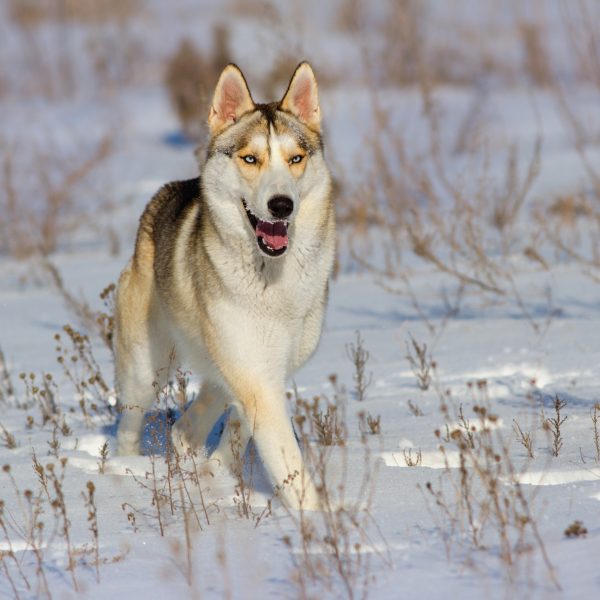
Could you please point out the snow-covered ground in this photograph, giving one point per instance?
(513, 356)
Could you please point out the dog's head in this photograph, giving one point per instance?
(264, 160)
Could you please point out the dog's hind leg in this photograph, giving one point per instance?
(140, 374)
(135, 383)
(141, 356)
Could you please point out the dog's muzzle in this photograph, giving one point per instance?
(272, 236)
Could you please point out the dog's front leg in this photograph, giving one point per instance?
(270, 426)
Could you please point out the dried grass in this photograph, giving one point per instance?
(190, 77)
(33, 13)
(37, 217)
(331, 549)
(483, 500)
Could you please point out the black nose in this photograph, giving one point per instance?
(280, 206)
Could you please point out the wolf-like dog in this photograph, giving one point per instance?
(230, 275)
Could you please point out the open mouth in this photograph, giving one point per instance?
(272, 237)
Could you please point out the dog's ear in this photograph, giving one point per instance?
(231, 100)
(302, 98)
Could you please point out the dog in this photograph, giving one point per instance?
(230, 276)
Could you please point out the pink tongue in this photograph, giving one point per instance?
(273, 234)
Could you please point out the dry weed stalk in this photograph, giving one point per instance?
(368, 424)
(92, 517)
(490, 505)
(59, 507)
(327, 425)
(359, 356)
(374, 424)
(103, 453)
(410, 460)
(31, 530)
(34, 533)
(83, 371)
(420, 362)
(7, 438)
(414, 409)
(39, 470)
(9, 553)
(594, 414)
(54, 442)
(158, 499)
(553, 424)
(31, 391)
(524, 438)
(188, 538)
(41, 394)
(243, 489)
(7, 390)
(186, 473)
(130, 512)
(468, 429)
(195, 476)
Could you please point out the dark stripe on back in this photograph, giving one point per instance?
(176, 198)
(163, 218)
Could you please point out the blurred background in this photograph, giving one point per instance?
(464, 136)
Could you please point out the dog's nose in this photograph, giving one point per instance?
(280, 206)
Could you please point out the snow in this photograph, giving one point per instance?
(408, 548)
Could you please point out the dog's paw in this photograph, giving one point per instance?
(301, 497)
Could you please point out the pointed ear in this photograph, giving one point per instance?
(302, 98)
(231, 100)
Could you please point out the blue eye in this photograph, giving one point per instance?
(296, 159)
(251, 160)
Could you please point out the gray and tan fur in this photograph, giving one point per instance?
(231, 271)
